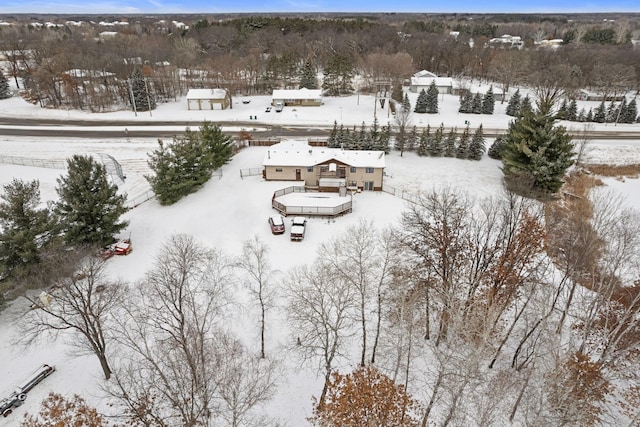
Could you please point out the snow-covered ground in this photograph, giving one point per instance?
(226, 212)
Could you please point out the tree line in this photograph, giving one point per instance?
(257, 55)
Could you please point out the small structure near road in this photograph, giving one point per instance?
(208, 99)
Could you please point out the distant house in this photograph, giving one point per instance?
(587, 95)
(422, 80)
(208, 99)
(507, 40)
(325, 168)
(301, 97)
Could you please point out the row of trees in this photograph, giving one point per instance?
(439, 143)
(184, 165)
(477, 104)
(375, 138)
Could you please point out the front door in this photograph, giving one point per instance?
(297, 174)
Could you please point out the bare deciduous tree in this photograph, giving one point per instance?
(168, 366)
(82, 305)
(320, 304)
(254, 261)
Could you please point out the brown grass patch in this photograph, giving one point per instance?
(630, 171)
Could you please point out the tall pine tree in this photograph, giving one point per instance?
(421, 102)
(462, 149)
(143, 99)
(432, 98)
(513, 107)
(536, 155)
(466, 103)
(338, 75)
(572, 110)
(477, 146)
(488, 102)
(89, 206)
(24, 227)
(308, 77)
(450, 143)
(600, 114)
(476, 104)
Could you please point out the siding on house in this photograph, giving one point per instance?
(355, 168)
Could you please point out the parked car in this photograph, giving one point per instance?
(246, 101)
(267, 110)
(279, 106)
(277, 224)
(20, 394)
(298, 227)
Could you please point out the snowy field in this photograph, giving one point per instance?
(228, 211)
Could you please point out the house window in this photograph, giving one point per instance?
(309, 168)
(368, 185)
(278, 169)
(369, 170)
(352, 169)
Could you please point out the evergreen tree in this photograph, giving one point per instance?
(406, 104)
(632, 112)
(143, 99)
(497, 148)
(412, 139)
(5, 90)
(432, 98)
(338, 75)
(438, 142)
(183, 166)
(513, 107)
(582, 117)
(600, 114)
(612, 113)
(374, 135)
(462, 149)
(572, 111)
(332, 140)
(449, 146)
(589, 117)
(343, 137)
(362, 139)
(477, 146)
(308, 77)
(352, 138)
(562, 111)
(421, 102)
(476, 104)
(525, 106)
(217, 147)
(423, 145)
(466, 103)
(89, 206)
(385, 138)
(24, 227)
(536, 155)
(488, 102)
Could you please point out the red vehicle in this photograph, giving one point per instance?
(121, 247)
(277, 224)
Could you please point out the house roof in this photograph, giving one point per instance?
(206, 94)
(303, 93)
(426, 81)
(299, 153)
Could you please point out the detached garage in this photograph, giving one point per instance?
(208, 99)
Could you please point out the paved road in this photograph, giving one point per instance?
(163, 129)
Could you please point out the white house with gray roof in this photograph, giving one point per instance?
(302, 97)
(423, 79)
(328, 169)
